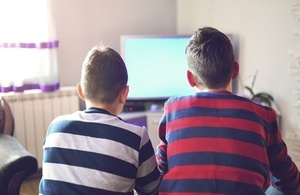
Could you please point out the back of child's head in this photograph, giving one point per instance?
(210, 57)
(103, 75)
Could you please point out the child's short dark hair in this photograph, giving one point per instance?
(210, 57)
(103, 75)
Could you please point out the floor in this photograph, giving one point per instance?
(31, 185)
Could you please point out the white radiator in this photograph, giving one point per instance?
(293, 144)
(33, 111)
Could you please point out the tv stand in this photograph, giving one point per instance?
(149, 119)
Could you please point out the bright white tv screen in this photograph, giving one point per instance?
(156, 66)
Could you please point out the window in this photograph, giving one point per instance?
(28, 46)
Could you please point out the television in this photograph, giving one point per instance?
(156, 66)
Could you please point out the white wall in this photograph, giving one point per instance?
(264, 29)
(81, 24)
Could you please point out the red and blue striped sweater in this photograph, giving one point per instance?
(220, 143)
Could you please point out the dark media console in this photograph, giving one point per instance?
(134, 108)
(143, 105)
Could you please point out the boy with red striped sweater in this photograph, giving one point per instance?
(215, 142)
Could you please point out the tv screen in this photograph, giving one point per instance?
(156, 66)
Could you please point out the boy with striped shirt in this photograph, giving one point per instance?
(94, 151)
(215, 142)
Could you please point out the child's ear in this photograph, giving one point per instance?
(124, 94)
(79, 92)
(236, 68)
(191, 78)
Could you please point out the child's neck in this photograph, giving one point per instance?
(111, 108)
(228, 88)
